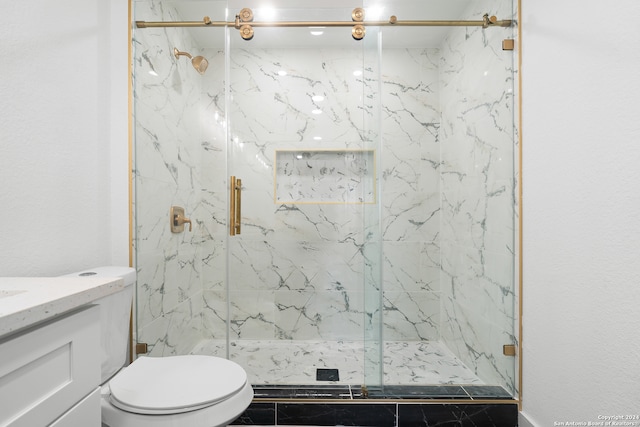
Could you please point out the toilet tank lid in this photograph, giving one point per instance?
(127, 273)
(175, 384)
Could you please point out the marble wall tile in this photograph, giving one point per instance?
(214, 315)
(304, 260)
(410, 193)
(413, 316)
(176, 331)
(301, 265)
(261, 96)
(173, 148)
(446, 186)
(330, 315)
(214, 265)
(478, 180)
(320, 176)
(407, 269)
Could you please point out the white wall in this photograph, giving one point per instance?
(63, 146)
(581, 104)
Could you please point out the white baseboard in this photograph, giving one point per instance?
(523, 421)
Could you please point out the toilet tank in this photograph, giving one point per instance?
(115, 314)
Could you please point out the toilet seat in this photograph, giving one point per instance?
(175, 384)
(220, 414)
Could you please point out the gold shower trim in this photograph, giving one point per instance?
(520, 283)
(487, 21)
(355, 401)
(392, 22)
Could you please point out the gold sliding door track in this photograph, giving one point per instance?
(244, 23)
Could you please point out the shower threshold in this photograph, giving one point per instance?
(423, 380)
(425, 384)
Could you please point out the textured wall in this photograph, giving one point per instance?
(63, 147)
(581, 210)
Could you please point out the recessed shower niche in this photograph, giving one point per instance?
(325, 176)
(378, 190)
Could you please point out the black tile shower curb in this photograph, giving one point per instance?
(395, 406)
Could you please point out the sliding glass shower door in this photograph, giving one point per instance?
(375, 192)
(304, 241)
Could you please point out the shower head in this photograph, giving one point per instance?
(200, 63)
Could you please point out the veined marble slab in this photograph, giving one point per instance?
(295, 362)
(25, 301)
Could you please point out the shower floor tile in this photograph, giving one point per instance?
(295, 362)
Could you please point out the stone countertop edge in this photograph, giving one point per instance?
(43, 298)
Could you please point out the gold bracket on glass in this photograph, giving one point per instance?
(508, 44)
(235, 209)
(509, 350)
(142, 348)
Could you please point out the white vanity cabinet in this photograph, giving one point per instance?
(50, 372)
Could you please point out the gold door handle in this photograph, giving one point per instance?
(235, 205)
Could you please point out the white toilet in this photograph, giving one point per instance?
(185, 391)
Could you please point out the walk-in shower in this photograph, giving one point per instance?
(351, 174)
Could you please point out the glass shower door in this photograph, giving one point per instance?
(303, 258)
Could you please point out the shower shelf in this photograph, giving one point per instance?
(325, 176)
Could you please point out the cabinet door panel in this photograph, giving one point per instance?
(47, 369)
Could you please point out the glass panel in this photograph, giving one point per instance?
(372, 247)
(448, 195)
(300, 145)
(179, 157)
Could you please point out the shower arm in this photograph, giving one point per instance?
(178, 53)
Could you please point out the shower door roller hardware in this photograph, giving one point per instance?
(358, 32)
(235, 205)
(358, 14)
(177, 219)
(246, 32)
(246, 15)
(488, 20)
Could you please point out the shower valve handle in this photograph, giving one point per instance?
(179, 220)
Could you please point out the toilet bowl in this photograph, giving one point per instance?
(176, 391)
(172, 391)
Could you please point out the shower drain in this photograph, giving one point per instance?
(323, 374)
